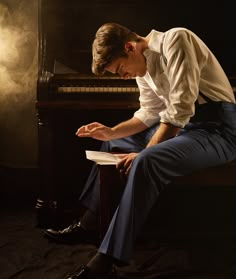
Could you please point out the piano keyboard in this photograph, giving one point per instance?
(94, 89)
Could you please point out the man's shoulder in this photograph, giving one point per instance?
(178, 31)
(177, 35)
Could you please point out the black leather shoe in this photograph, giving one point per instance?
(74, 234)
(85, 273)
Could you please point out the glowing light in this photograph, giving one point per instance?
(17, 52)
(9, 55)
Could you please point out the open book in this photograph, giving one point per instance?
(103, 158)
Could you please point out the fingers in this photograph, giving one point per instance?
(85, 130)
(125, 164)
(124, 167)
(128, 169)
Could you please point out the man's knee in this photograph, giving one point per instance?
(155, 162)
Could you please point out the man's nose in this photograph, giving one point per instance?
(122, 75)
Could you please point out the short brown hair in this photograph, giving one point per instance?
(109, 44)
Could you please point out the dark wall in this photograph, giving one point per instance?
(213, 22)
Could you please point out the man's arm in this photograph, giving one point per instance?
(164, 132)
(129, 127)
(101, 132)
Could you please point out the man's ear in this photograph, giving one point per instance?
(129, 46)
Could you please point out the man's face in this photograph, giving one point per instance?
(134, 65)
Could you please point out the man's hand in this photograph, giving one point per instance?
(95, 130)
(101, 132)
(125, 163)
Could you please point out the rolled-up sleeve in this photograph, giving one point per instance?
(183, 58)
(150, 104)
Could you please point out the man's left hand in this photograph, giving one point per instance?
(125, 163)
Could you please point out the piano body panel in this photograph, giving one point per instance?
(82, 104)
(62, 162)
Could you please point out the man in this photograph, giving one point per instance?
(186, 121)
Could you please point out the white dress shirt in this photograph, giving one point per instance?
(179, 65)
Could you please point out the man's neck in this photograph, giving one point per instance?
(143, 43)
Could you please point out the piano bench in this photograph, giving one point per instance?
(206, 184)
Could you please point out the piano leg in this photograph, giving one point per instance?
(46, 204)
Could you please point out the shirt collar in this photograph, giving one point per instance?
(155, 40)
(154, 50)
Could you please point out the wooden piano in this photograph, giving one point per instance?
(69, 95)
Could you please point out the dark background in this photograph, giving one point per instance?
(213, 22)
(198, 251)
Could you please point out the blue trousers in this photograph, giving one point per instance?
(197, 146)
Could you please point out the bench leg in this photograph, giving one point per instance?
(111, 188)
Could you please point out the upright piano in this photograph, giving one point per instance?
(69, 95)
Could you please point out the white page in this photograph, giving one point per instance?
(103, 158)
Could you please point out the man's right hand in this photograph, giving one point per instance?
(95, 130)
